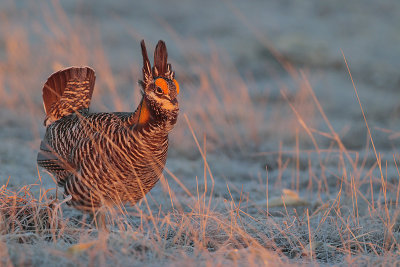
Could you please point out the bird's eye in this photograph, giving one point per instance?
(162, 85)
(159, 91)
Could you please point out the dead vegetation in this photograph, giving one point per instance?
(313, 200)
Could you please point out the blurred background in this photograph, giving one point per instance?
(248, 72)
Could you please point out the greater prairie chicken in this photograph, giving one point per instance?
(108, 158)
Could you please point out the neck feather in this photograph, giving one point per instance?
(144, 113)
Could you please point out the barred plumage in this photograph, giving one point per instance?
(108, 158)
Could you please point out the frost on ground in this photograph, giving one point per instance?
(271, 161)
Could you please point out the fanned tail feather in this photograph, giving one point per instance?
(67, 91)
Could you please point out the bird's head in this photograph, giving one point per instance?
(159, 87)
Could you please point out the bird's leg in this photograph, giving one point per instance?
(100, 220)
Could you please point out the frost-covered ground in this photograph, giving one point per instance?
(248, 71)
